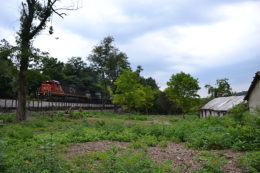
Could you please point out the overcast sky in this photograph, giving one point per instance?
(210, 39)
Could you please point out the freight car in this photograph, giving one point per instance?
(52, 90)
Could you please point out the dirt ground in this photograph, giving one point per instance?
(176, 152)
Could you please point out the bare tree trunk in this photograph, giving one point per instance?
(21, 110)
(22, 83)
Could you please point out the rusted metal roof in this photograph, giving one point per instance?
(252, 86)
(223, 103)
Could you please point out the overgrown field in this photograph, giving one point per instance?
(58, 143)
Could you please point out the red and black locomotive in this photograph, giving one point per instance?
(53, 90)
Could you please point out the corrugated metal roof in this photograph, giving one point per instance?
(223, 103)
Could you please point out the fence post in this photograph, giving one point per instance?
(5, 104)
(12, 104)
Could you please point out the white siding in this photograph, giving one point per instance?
(254, 98)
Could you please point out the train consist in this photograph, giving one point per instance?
(53, 90)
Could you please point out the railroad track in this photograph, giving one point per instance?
(40, 105)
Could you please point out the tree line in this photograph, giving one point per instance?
(108, 70)
(23, 68)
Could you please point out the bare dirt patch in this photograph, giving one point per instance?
(175, 152)
(178, 154)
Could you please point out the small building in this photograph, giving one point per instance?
(219, 106)
(253, 94)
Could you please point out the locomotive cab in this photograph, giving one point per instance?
(50, 87)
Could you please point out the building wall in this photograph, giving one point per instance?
(254, 98)
(206, 113)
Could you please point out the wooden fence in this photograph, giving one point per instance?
(40, 105)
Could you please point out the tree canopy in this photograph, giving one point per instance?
(131, 93)
(108, 61)
(182, 89)
(222, 88)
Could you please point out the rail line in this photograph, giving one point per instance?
(40, 105)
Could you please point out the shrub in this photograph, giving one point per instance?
(211, 162)
(59, 114)
(99, 123)
(7, 118)
(76, 115)
(237, 112)
(2, 156)
(150, 141)
(163, 143)
(20, 133)
(250, 162)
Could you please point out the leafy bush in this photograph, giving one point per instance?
(99, 123)
(163, 143)
(76, 115)
(20, 133)
(2, 156)
(250, 162)
(7, 118)
(150, 141)
(59, 114)
(237, 112)
(211, 162)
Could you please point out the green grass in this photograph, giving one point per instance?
(39, 144)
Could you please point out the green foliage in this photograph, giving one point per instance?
(21, 133)
(182, 90)
(108, 61)
(76, 115)
(2, 156)
(7, 118)
(222, 88)
(36, 144)
(59, 114)
(130, 93)
(116, 160)
(7, 70)
(238, 112)
(163, 143)
(150, 141)
(137, 117)
(211, 162)
(250, 162)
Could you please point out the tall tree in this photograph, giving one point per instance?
(108, 61)
(222, 88)
(182, 90)
(35, 14)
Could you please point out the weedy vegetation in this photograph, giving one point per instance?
(41, 143)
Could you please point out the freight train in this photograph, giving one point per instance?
(53, 90)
